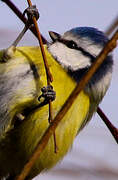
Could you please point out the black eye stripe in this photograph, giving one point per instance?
(72, 45)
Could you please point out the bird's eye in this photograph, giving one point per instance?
(71, 44)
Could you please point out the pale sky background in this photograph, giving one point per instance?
(94, 154)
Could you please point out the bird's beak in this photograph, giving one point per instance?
(54, 36)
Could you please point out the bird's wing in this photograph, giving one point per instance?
(19, 85)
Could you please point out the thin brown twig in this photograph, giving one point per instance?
(112, 26)
(111, 127)
(43, 142)
(48, 73)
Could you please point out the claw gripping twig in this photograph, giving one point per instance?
(48, 73)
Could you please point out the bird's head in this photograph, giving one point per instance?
(77, 49)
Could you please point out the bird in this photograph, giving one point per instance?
(24, 116)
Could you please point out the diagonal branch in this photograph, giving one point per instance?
(112, 26)
(111, 127)
(43, 142)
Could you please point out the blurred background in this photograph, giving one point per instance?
(94, 153)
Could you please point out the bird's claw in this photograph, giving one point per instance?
(48, 94)
(31, 12)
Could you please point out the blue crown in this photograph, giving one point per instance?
(91, 33)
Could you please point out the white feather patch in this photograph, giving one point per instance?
(98, 90)
(69, 58)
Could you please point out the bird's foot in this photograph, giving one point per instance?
(31, 12)
(48, 94)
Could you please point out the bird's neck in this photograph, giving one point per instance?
(100, 81)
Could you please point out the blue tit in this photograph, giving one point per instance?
(76, 50)
(22, 78)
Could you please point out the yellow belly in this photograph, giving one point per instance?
(31, 130)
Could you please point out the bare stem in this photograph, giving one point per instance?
(112, 26)
(20, 36)
(111, 127)
(48, 73)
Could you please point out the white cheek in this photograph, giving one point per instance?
(69, 57)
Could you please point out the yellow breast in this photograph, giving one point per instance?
(31, 130)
